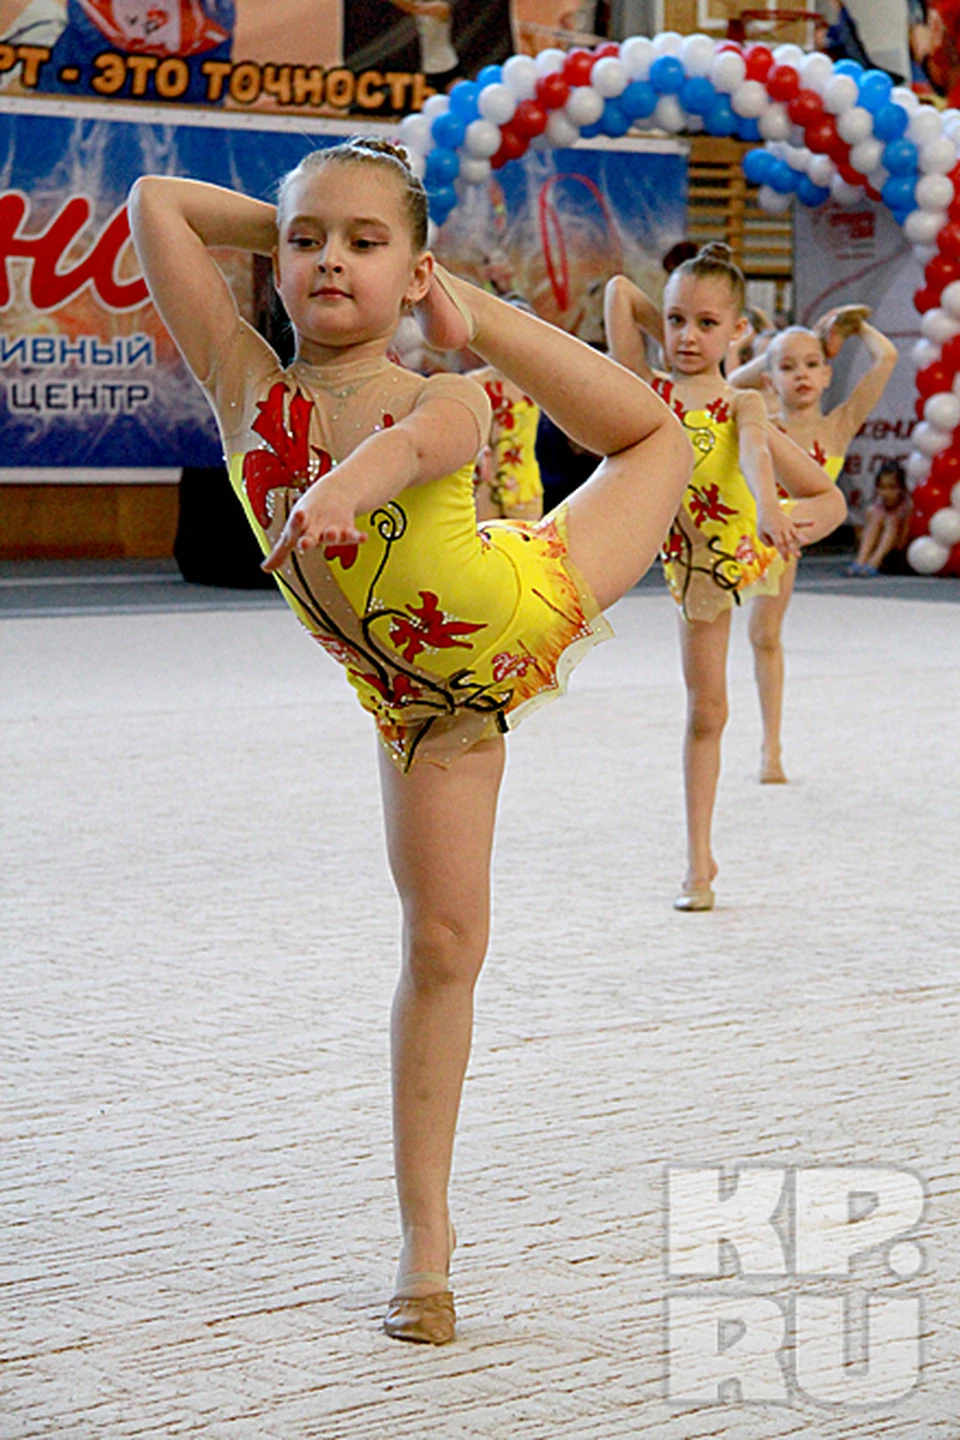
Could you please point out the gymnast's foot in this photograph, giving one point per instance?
(696, 892)
(422, 1308)
(771, 768)
(444, 313)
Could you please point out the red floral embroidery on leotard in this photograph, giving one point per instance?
(288, 463)
(706, 504)
(719, 409)
(430, 628)
(664, 388)
(505, 665)
(818, 453)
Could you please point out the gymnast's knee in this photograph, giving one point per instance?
(442, 951)
(707, 716)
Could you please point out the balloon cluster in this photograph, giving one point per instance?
(830, 131)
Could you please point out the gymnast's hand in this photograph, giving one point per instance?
(775, 527)
(321, 517)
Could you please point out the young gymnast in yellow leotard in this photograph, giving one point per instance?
(731, 539)
(356, 476)
(795, 371)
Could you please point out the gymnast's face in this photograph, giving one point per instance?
(345, 262)
(700, 319)
(798, 370)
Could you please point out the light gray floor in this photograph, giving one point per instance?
(199, 946)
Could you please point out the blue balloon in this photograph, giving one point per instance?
(720, 119)
(748, 129)
(810, 193)
(443, 167)
(758, 166)
(441, 199)
(900, 157)
(640, 99)
(463, 101)
(614, 121)
(696, 95)
(900, 192)
(447, 131)
(890, 122)
(875, 87)
(596, 128)
(666, 75)
(848, 67)
(489, 75)
(901, 215)
(783, 179)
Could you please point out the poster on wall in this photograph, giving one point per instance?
(90, 379)
(860, 256)
(379, 58)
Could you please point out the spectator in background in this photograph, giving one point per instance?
(884, 539)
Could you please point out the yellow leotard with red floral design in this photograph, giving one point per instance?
(713, 557)
(448, 633)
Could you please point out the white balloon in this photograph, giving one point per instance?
(637, 54)
(789, 55)
(902, 95)
(927, 555)
(609, 78)
(822, 170)
(925, 353)
(943, 410)
(750, 100)
(930, 438)
(934, 192)
(865, 156)
(497, 103)
(925, 125)
(520, 76)
(816, 71)
(584, 105)
(668, 42)
(548, 62)
(939, 156)
(772, 201)
(844, 194)
(775, 124)
(433, 230)
(855, 125)
(879, 177)
(474, 171)
(694, 124)
(729, 69)
(950, 299)
(482, 139)
(670, 114)
(924, 253)
(955, 496)
(416, 133)
(917, 466)
(945, 526)
(799, 157)
(840, 94)
(435, 105)
(939, 325)
(922, 227)
(697, 52)
(561, 131)
(955, 387)
(417, 161)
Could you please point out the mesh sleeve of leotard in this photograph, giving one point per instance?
(465, 392)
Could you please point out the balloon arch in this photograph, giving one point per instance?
(825, 131)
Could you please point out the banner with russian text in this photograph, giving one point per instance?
(90, 379)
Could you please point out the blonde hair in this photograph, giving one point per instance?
(360, 150)
(795, 330)
(715, 261)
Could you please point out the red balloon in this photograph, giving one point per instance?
(839, 150)
(950, 358)
(822, 136)
(940, 272)
(945, 468)
(577, 67)
(933, 379)
(512, 146)
(805, 108)
(949, 242)
(610, 48)
(759, 62)
(529, 119)
(552, 91)
(919, 405)
(783, 82)
(932, 495)
(847, 172)
(873, 193)
(926, 299)
(952, 566)
(730, 45)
